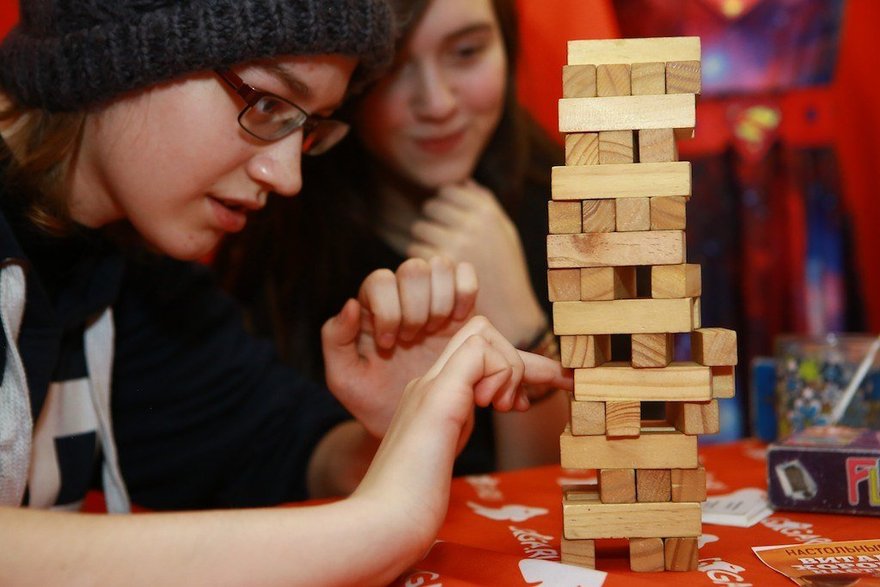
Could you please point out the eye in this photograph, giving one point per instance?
(269, 105)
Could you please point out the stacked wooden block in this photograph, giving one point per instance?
(617, 267)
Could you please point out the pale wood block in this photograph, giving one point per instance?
(564, 285)
(587, 418)
(613, 79)
(623, 316)
(582, 148)
(584, 351)
(714, 346)
(657, 145)
(581, 553)
(616, 146)
(669, 213)
(648, 78)
(623, 419)
(652, 449)
(653, 485)
(638, 180)
(681, 553)
(723, 382)
(615, 249)
(599, 215)
(617, 485)
(652, 350)
(680, 381)
(676, 111)
(646, 555)
(688, 484)
(608, 283)
(676, 281)
(633, 214)
(697, 318)
(683, 77)
(695, 417)
(564, 217)
(579, 81)
(648, 50)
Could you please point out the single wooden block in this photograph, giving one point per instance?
(587, 418)
(676, 281)
(617, 485)
(564, 217)
(653, 485)
(676, 111)
(669, 213)
(608, 283)
(660, 449)
(652, 350)
(616, 146)
(646, 555)
(696, 317)
(615, 249)
(633, 214)
(624, 316)
(599, 215)
(688, 484)
(681, 554)
(638, 180)
(657, 145)
(582, 148)
(695, 417)
(646, 50)
(723, 382)
(578, 81)
(648, 78)
(623, 419)
(613, 79)
(714, 346)
(680, 381)
(683, 77)
(564, 285)
(584, 351)
(581, 553)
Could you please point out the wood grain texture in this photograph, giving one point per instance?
(581, 553)
(651, 450)
(676, 111)
(617, 485)
(648, 78)
(683, 77)
(608, 283)
(613, 79)
(615, 249)
(695, 417)
(582, 148)
(681, 554)
(723, 382)
(688, 484)
(584, 351)
(623, 419)
(647, 50)
(564, 285)
(714, 346)
(587, 418)
(652, 350)
(638, 180)
(599, 215)
(669, 213)
(676, 281)
(657, 145)
(616, 147)
(564, 217)
(680, 381)
(633, 214)
(624, 316)
(653, 485)
(578, 81)
(646, 555)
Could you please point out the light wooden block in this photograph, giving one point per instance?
(648, 78)
(676, 111)
(623, 419)
(723, 382)
(564, 217)
(584, 351)
(650, 450)
(676, 281)
(648, 50)
(653, 485)
(646, 555)
(688, 484)
(680, 381)
(616, 146)
(657, 145)
(697, 314)
(638, 180)
(582, 148)
(695, 417)
(578, 81)
(617, 485)
(633, 214)
(587, 418)
(599, 215)
(615, 249)
(669, 213)
(613, 79)
(714, 346)
(608, 283)
(564, 285)
(683, 77)
(581, 553)
(681, 554)
(624, 316)
(652, 350)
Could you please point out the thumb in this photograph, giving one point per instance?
(542, 370)
(339, 336)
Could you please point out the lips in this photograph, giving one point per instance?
(231, 216)
(440, 145)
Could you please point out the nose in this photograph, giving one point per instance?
(435, 96)
(278, 165)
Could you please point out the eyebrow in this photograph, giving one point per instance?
(478, 27)
(299, 88)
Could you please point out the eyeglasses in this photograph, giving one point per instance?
(270, 118)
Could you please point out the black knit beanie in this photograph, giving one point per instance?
(70, 54)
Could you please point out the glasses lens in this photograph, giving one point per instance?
(272, 118)
(324, 135)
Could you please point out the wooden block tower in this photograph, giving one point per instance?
(617, 267)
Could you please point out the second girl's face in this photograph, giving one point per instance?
(431, 117)
(175, 163)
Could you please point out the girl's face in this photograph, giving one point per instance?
(174, 162)
(430, 118)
